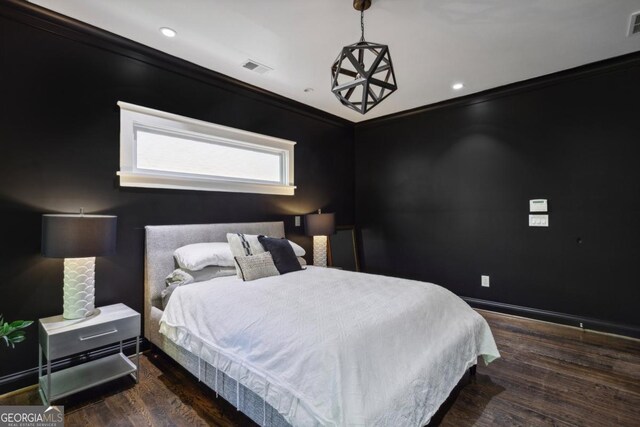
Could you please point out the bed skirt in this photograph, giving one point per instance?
(241, 397)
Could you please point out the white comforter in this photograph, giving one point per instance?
(331, 347)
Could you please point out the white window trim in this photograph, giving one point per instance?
(134, 117)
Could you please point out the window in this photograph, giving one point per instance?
(163, 150)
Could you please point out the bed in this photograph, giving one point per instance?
(313, 347)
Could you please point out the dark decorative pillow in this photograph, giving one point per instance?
(282, 253)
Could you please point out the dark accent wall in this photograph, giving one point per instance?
(442, 194)
(59, 134)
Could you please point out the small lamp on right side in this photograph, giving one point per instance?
(320, 226)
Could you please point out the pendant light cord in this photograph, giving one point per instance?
(362, 24)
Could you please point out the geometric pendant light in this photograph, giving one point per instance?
(362, 75)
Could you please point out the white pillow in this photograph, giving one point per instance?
(199, 255)
(297, 249)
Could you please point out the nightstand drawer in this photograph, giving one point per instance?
(88, 338)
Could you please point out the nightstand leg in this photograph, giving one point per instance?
(48, 380)
(39, 363)
(138, 359)
(40, 375)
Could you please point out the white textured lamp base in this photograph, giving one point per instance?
(320, 251)
(79, 287)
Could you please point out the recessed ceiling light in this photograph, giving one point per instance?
(308, 90)
(168, 32)
(457, 86)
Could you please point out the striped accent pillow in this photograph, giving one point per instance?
(244, 245)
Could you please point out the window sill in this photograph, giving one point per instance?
(147, 180)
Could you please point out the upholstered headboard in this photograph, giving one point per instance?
(163, 240)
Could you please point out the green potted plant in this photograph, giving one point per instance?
(13, 333)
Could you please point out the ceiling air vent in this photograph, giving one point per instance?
(634, 24)
(256, 67)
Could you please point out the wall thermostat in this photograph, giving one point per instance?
(538, 205)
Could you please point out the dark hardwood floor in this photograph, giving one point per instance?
(552, 375)
(549, 375)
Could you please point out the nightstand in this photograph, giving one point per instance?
(60, 337)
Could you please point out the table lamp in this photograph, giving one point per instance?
(78, 239)
(320, 226)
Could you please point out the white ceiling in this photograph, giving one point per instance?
(433, 43)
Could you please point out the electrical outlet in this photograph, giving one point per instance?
(484, 281)
(297, 220)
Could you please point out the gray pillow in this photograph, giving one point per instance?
(181, 277)
(254, 267)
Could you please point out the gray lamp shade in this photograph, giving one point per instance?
(78, 236)
(322, 224)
